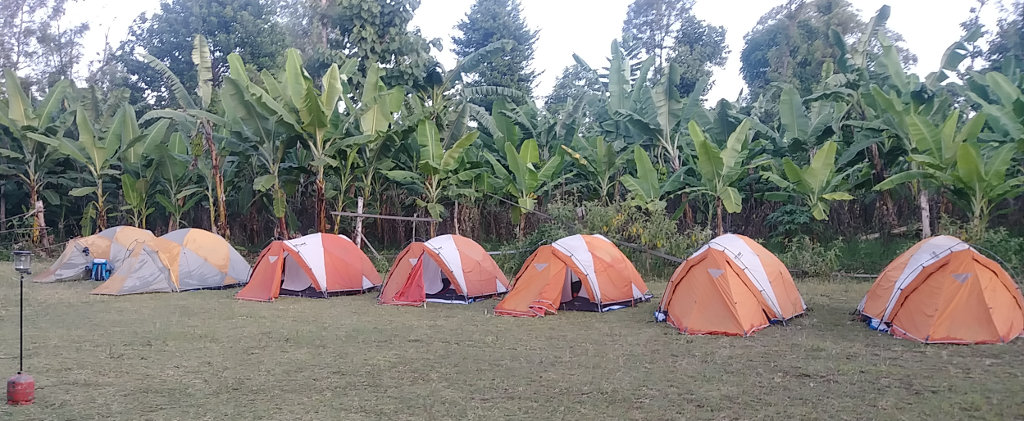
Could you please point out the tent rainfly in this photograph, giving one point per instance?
(111, 244)
(942, 290)
(182, 260)
(316, 265)
(446, 269)
(730, 286)
(579, 272)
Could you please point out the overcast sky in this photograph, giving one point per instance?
(587, 27)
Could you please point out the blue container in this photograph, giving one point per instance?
(100, 270)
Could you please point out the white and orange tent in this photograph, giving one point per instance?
(316, 265)
(579, 272)
(447, 268)
(941, 290)
(112, 244)
(182, 260)
(730, 286)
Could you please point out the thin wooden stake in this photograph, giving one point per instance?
(359, 222)
(456, 214)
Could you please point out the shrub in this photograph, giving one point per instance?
(808, 257)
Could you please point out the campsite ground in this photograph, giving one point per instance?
(204, 355)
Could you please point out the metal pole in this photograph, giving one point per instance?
(21, 326)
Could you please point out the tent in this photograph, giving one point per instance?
(730, 286)
(579, 272)
(941, 290)
(111, 244)
(182, 260)
(447, 269)
(316, 265)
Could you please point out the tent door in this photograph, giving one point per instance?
(294, 279)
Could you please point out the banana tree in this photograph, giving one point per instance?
(1002, 99)
(198, 124)
(646, 188)
(599, 160)
(176, 193)
(139, 166)
(817, 183)
(315, 111)
(981, 181)
(525, 179)
(933, 151)
(97, 150)
(265, 128)
(720, 169)
(31, 161)
(437, 168)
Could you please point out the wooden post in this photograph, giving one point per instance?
(359, 222)
(41, 223)
(456, 215)
(415, 215)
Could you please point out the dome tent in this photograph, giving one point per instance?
(730, 286)
(579, 272)
(447, 268)
(942, 290)
(111, 244)
(316, 265)
(182, 260)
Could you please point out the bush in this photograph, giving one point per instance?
(808, 257)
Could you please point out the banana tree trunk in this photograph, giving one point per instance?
(218, 181)
(33, 197)
(926, 220)
(888, 210)
(321, 202)
(455, 215)
(282, 227)
(718, 212)
(101, 210)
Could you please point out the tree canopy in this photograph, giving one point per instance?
(490, 21)
(669, 31)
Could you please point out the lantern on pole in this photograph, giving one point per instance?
(21, 388)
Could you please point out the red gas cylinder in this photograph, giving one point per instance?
(21, 389)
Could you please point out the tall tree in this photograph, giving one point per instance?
(370, 31)
(574, 84)
(1008, 39)
(38, 40)
(246, 27)
(669, 31)
(490, 21)
(791, 44)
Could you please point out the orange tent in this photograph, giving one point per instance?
(448, 269)
(316, 265)
(579, 272)
(731, 286)
(941, 290)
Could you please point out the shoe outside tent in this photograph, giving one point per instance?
(730, 286)
(182, 260)
(942, 290)
(316, 265)
(579, 272)
(447, 268)
(111, 244)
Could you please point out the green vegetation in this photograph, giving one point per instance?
(243, 136)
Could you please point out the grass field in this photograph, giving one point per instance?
(204, 355)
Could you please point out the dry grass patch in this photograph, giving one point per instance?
(204, 355)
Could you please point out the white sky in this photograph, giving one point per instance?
(587, 27)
